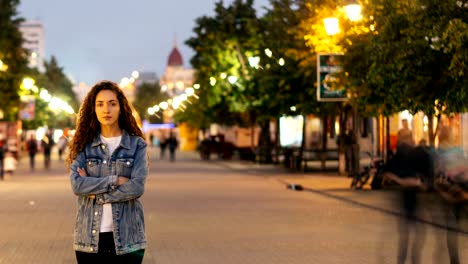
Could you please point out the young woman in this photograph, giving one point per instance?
(108, 167)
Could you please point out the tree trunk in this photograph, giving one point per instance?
(324, 140)
(387, 137)
(341, 157)
(433, 130)
(264, 143)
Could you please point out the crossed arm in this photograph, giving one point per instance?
(120, 180)
(111, 188)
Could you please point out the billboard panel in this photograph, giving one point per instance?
(328, 86)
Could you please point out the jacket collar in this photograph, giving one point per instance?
(124, 142)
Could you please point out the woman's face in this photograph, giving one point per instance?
(107, 108)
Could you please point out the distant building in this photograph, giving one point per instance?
(147, 77)
(33, 35)
(81, 90)
(176, 77)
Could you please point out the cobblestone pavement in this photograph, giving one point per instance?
(219, 212)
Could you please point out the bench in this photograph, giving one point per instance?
(321, 155)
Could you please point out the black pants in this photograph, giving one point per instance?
(46, 159)
(106, 253)
(32, 157)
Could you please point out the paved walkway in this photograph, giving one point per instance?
(220, 212)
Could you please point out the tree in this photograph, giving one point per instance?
(222, 46)
(59, 84)
(148, 95)
(409, 66)
(13, 56)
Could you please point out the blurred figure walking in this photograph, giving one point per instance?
(162, 146)
(31, 148)
(62, 145)
(412, 169)
(172, 144)
(46, 145)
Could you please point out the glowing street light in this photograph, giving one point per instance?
(212, 81)
(28, 83)
(163, 105)
(232, 79)
(353, 10)
(331, 25)
(135, 74)
(281, 62)
(189, 91)
(254, 61)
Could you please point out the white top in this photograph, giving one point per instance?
(106, 221)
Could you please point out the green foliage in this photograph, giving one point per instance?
(12, 55)
(222, 46)
(59, 84)
(148, 95)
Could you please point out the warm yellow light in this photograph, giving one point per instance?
(44, 95)
(163, 105)
(223, 75)
(124, 82)
(180, 85)
(331, 25)
(254, 61)
(353, 11)
(281, 62)
(3, 66)
(135, 74)
(232, 79)
(189, 91)
(268, 52)
(196, 86)
(212, 81)
(28, 83)
(33, 55)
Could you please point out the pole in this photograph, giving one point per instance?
(356, 148)
(3, 147)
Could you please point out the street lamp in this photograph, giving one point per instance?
(331, 25)
(353, 10)
(353, 13)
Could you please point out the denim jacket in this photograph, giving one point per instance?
(103, 168)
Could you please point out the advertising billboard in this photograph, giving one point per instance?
(329, 88)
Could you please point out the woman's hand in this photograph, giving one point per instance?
(121, 180)
(82, 172)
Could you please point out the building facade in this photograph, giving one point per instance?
(176, 77)
(33, 35)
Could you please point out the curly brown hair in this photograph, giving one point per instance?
(88, 125)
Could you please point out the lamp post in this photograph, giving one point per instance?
(353, 13)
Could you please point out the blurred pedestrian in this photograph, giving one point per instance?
(151, 139)
(2, 153)
(452, 185)
(10, 163)
(411, 168)
(405, 135)
(162, 146)
(172, 143)
(62, 145)
(47, 143)
(32, 148)
(108, 167)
